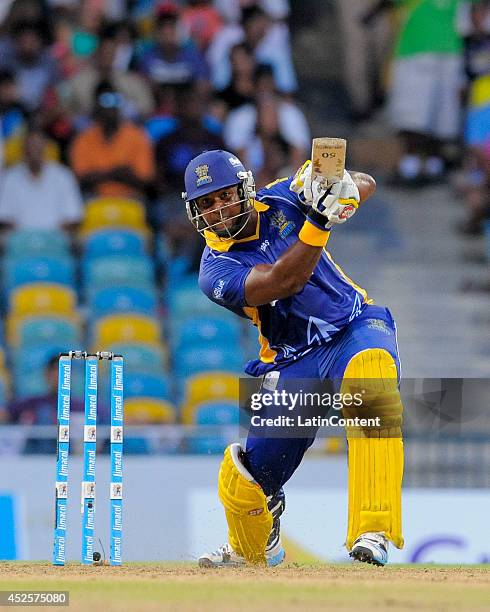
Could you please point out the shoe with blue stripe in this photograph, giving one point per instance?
(371, 548)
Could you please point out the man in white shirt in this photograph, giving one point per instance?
(39, 194)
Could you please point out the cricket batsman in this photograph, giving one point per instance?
(265, 259)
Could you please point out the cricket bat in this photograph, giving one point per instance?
(328, 158)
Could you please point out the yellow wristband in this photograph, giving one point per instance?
(312, 235)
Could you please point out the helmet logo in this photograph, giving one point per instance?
(203, 177)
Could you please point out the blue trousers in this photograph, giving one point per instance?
(273, 460)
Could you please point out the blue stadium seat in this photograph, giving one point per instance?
(146, 385)
(26, 360)
(27, 270)
(207, 331)
(111, 300)
(35, 331)
(118, 270)
(185, 300)
(114, 242)
(216, 413)
(189, 361)
(141, 358)
(29, 372)
(207, 445)
(26, 243)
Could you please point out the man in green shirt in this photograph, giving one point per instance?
(424, 101)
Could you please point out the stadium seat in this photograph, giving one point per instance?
(29, 386)
(23, 271)
(112, 242)
(207, 445)
(212, 413)
(113, 213)
(211, 387)
(42, 298)
(146, 385)
(126, 328)
(110, 300)
(148, 410)
(118, 270)
(185, 300)
(33, 331)
(141, 357)
(206, 331)
(26, 359)
(189, 361)
(27, 243)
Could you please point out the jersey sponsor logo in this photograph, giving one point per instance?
(379, 325)
(285, 227)
(203, 177)
(218, 290)
(264, 245)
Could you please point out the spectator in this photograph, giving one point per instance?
(202, 21)
(474, 26)
(269, 114)
(189, 137)
(41, 409)
(112, 157)
(241, 89)
(39, 194)
(231, 9)
(369, 31)
(78, 92)
(28, 58)
(171, 59)
(12, 118)
(269, 42)
(425, 88)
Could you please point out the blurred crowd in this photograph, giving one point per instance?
(125, 93)
(112, 98)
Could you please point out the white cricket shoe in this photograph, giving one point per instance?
(225, 556)
(371, 547)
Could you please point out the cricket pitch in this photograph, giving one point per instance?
(185, 587)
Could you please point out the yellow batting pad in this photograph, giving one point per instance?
(375, 453)
(249, 519)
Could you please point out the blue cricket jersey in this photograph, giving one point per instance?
(291, 327)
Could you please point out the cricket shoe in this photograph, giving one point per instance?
(225, 556)
(371, 548)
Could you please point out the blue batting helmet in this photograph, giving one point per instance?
(211, 171)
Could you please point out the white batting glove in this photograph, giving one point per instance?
(314, 192)
(337, 202)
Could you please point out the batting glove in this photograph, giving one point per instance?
(337, 202)
(345, 203)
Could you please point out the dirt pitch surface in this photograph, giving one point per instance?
(152, 587)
